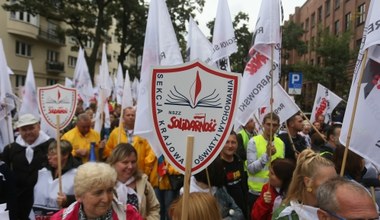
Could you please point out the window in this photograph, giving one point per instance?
(52, 56)
(89, 44)
(327, 7)
(360, 17)
(313, 20)
(358, 43)
(23, 49)
(336, 27)
(347, 21)
(307, 24)
(23, 16)
(320, 14)
(72, 61)
(20, 80)
(337, 4)
(50, 82)
(312, 43)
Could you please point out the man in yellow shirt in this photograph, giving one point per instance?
(124, 134)
(81, 138)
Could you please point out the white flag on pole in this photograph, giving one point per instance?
(119, 85)
(105, 89)
(160, 48)
(7, 103)
(135, 89)
(365, 136)
(324, 103)
(198, 46)
(126, 93)
(82, 80)
(256, 79)
(69, 83)
(29, 98)
(223, 40)
(283, 105)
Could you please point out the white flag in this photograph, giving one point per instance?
(105, 89)
(160, 48)
(365, 136)
(119, 85)
(283, 105)
(135, 89)
(69, 83)
(198, 46)
(257, 79)
(126, 94)
(82, 80)
(29, 97)
(324, 103)
(7, 103)
(223, 40)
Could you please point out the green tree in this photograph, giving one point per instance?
(87, 21)
(335, 54)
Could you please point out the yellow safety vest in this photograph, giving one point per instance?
(257, 180)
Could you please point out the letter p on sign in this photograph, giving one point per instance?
(295, 83)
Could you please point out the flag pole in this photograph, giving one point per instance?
(291, 141)
(120, 126)
(186, 183)
(271, 109)
(259, 123)
(348, 139)
(8, 129)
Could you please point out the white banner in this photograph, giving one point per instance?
(324, 103)
(365, 136)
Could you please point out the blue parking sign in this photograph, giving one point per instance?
(295, 83)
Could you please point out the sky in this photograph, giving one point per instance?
(251, 7)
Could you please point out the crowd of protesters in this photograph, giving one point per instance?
(265, 173)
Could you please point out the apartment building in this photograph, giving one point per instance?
(335, 16)
(53, 55)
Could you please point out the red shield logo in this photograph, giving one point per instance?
(57, 100)
(197, 100)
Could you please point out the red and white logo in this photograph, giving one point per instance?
(57, 100)
(193, 99)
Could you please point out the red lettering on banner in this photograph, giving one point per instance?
(255, 63)
(321, 108)
(57, 111)
(198, 124)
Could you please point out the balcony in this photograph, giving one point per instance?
(55, 67)
(52, 36)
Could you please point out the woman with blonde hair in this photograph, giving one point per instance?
(311, 171)
(93, 189)
(132, 185)
(200, 206)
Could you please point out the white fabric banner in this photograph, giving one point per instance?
(223, 40)
(127, 94)
(257, 78)
(29, 95)
(7, 103)
(324, 103)
(198, 46)
(365, 136)
(119, 85)
(160, 48)
(82, 80)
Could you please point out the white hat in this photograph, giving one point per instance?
(26, 119)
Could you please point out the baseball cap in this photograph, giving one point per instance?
(26, 119)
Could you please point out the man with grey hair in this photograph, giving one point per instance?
(342, 199)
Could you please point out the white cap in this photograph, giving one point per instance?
(26, 119)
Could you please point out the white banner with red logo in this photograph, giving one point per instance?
(184, 102)
(324, 103)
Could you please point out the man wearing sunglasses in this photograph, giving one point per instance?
(344, 199)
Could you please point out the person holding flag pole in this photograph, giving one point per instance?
(263, 67)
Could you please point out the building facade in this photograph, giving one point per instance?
(53, 55)
(335, 16)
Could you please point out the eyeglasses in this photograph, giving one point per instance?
(342, 218)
